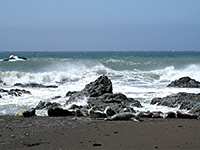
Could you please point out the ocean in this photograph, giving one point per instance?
(140, 75)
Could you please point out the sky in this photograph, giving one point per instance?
(99, 25)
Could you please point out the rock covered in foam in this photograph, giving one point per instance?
(185, 82)
(15, 92)
(14, 58)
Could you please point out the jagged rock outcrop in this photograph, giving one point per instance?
(185, 82)
(100, 95)
(183, 100)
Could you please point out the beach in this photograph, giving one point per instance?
(85, 133)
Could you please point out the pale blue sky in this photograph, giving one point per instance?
(99, 25)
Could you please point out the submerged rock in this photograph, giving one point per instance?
(35, 85)
(15, 92)
(185, 82)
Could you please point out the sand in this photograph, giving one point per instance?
(65, 133)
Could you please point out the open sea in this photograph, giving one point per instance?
(140, 75)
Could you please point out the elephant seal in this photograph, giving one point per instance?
(109, 112)
(124, 116)
(96, 113)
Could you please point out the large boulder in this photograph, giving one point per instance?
(59, 112)
(98, 87)
(100, 95)
(183, 100)
(117, 102)
(185, 82)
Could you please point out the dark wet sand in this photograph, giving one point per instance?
(65, 133)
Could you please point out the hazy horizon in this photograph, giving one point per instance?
(100, 25)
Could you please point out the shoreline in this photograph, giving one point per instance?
(86, 133)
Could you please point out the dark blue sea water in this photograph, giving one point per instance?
(141, 75)
(148, 60)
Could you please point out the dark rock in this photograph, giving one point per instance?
(184, 100)
(1, 81)
(59, 112)
(196, 110)
(6, 59)
(70, 93)
(99, 94)
(0, 96)
(74, 106)
(29, 113)
(186, 115)
(47, 105)
(156, 100)
(170, 115)
(12, 57)
(185, 82)
(56, 97)
(117, 102)
(24, 58)
(15, 92)
(98, 87)
(35, 85)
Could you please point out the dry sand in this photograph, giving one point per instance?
(65, 133)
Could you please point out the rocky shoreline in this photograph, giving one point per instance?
(104, 104)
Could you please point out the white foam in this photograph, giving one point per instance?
(141, 85)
